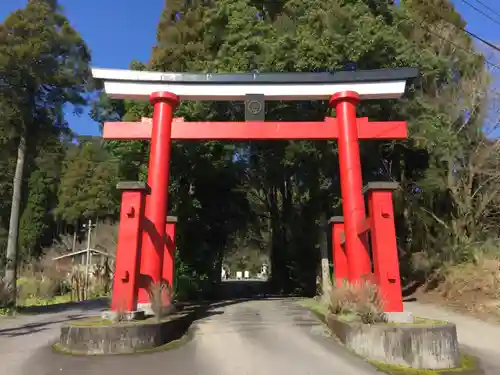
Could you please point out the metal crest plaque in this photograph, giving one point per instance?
(255, 107)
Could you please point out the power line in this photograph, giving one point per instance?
(470, 33)
(480, 11)
(489, 8)
(484, 41)
(457, 46)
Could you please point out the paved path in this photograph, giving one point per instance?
(22, 337)
(261, 337)
(478, 338)
(256, 338)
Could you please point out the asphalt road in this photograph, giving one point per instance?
(476, 337)
(259, 337)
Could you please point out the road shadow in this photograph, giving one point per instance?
(94, 304)
(30, 328)
(253, 288)
(204, 309)
(411, 288)
(410, 299)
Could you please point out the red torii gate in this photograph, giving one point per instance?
(146, 241)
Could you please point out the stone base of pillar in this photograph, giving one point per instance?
(147, 309)
(123, 316)
(400, 317)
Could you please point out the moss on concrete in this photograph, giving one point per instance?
(419, 321)
(468, 365)
(322, 309)
(174, 344)
(99, 322)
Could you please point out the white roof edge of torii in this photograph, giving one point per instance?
(369, 84)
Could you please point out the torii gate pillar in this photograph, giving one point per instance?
(351, 182)
(152, 257)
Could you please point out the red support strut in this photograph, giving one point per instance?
(156, 204)
(169, 254)
(384, 245)
(340, 265)
(353, 205)
(126, 279)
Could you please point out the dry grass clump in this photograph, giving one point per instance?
(482, 279)
(357, 301)
(45, 282)
(160, 297)
(40, 283)
(474, 287)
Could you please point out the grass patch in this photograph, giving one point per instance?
(99, 322)
(315, 305)
(36, 301)
(468, 365)
(7, 312)
(419, 321)
(320, 308)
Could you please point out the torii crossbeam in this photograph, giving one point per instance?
(255, 130)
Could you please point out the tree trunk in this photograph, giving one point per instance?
(12, 241)
(326, 283)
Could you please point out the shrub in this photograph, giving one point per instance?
(481, 279)
(41, 282)
(5, 308)
(361, 301)
(3, 293)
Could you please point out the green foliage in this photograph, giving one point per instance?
(36, 219)
(44, 65)
(87, 186)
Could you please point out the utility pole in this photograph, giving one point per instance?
(88, 255)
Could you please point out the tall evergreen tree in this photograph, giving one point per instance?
(87, 183)
(44, 64)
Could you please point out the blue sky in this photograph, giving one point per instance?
(119, 31)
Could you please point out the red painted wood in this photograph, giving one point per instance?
(364, 226)
(353, 203)
(169, 254)
(385, 249)
(157, 202)
(265, 130)
(126, 280)
(340, 265)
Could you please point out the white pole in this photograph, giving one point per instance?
(74, 242)
(89, 234)
(87, 260)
